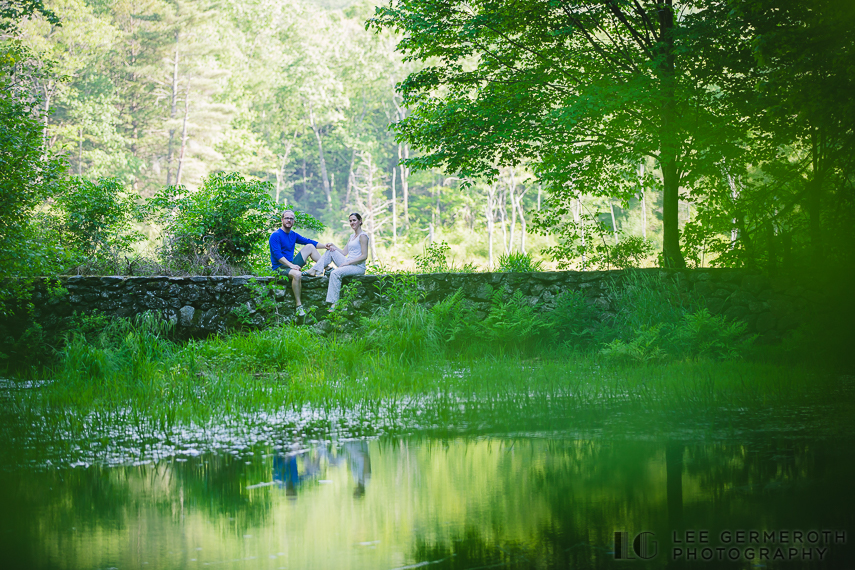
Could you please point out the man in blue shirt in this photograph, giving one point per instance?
(283, 260)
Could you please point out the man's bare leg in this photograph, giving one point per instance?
(310, 252)
(296, 285)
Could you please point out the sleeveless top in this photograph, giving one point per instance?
(354, 249)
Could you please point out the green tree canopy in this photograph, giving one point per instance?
(584, 90)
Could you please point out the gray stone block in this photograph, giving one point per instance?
(789, 321)
(736, 312)
(765, 322)
(704, 288)
(753, 283)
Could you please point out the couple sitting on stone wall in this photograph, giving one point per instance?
(348, 261)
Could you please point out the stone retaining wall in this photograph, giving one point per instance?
(200, 306)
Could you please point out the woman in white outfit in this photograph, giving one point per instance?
(348, 261)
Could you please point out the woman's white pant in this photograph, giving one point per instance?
(336, 257)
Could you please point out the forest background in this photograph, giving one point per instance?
(508, 139)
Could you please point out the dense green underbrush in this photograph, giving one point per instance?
(404, 349)
(452, 329)
(652, 320)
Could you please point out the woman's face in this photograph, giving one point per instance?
(354, 223)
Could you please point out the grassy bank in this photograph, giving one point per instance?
(660, 351)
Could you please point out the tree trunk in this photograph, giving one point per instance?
(371, 226)
(173, 112)
(578, 219)
(669, 146)
(490, 210)
(512, 190)
(404, 154)
(503, 211)
(183, 136)
(80, 151)
(614, 224)
(643, 203)
(674, 482)
(47, 89)
(394, 209)
(438, 205)
(734, 196)
(283, 160)
(323, 163)
(815, 196)
(518, 205)
(351, 176)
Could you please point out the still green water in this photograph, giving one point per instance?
(544, 486)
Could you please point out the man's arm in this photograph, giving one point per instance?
(286, 263)
(305, 241)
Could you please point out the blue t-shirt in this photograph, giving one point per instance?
(282, 245)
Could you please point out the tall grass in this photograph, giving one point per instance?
(512, 353)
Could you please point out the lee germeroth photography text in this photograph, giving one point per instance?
(732, 545)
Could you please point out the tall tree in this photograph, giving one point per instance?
(584, 89)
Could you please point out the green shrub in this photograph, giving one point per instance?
(434, 259)
(28, 176)
(511, 325)
(123, 349)
(405, 327)
(228, 216)
(408, 332)
(518, 262)
(702, 335)
(643, 299)
(629, 252)
(577, 323)
(94, 219)
(643, 347)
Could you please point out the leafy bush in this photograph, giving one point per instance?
(518, 262)
(577, 323)
(510, 326)
(656, 319)
(407, 331)
(643, 347)
(27, 176)
(590, 240)
(404, 327)
(697, 335)
(228, 216)
(400, 288)
(124, 348)
(94, 219)
(701, 334)
(642, 299)
(434, 259)
(629, 252)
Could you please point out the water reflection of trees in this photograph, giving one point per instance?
(520, 502)
(579, 493)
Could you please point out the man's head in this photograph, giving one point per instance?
(288, 220)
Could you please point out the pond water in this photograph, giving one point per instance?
(546, 487)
